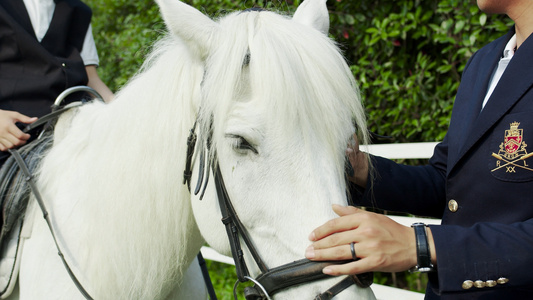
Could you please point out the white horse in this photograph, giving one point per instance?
(281, 103)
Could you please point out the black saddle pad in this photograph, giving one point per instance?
(14, 189)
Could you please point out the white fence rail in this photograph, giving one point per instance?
(392, 151)
(404, 150)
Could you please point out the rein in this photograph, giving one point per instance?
(29, 179)
(46, 121)
(270, 281)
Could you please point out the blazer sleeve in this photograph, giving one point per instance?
(418, 190)
(506, 254)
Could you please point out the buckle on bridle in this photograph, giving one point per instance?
(256, 292)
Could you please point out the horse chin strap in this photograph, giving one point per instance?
(270, 281)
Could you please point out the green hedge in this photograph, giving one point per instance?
(408, 57)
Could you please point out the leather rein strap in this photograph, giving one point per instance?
(33, 187)
(270, 281)
(29, 178)
(46, 121)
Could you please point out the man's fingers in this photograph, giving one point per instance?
(340, 252)
(336, 225)
(356, 267)
(335, 246)
(345, 210)
(343, 223)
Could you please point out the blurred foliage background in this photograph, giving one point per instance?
(407, 56)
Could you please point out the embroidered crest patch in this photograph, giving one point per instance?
(512, 152)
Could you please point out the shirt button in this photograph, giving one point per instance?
(467, 284)
(479, 284)
(453, 206)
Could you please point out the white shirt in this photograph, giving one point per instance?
(508, 53)
(41, 13)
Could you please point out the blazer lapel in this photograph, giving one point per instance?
(470, 96)
(514, 83)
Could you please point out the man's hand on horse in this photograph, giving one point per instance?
(380, 244)
(359, 162)
(10, 135)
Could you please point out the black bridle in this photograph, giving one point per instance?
(273, 280)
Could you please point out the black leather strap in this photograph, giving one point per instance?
(51, 116)
(235, 229)
(207, 278)
(300, 271)
(29, 178)
(305, 271)
(46, 120)
(336, 289)
(191, 143)
(422, 249)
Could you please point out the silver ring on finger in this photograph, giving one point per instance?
(352, 249)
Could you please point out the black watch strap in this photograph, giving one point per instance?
(422, 249)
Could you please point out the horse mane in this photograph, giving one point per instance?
(124, 162)
(297, 71)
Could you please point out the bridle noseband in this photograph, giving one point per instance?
(270, 281)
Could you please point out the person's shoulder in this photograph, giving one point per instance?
(79, 5)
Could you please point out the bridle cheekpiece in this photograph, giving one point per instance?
(271, 280)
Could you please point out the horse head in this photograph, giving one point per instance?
(278, 107)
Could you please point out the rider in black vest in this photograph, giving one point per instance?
(33, 73)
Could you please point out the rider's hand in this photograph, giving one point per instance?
(10, 135)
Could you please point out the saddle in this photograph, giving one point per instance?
(14, 196)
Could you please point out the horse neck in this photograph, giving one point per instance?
(123, 164)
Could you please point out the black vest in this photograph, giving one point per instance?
(33, 74)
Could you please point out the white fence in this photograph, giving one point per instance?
(392, 151)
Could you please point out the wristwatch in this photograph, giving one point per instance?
(423, 255)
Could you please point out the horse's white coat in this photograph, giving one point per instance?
(113, 180)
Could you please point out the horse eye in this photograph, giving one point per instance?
(241, 144)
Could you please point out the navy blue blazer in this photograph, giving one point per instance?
(479, 181)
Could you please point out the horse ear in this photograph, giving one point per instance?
(193, 27)
(313, 13)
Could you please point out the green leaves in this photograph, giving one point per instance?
(408, 57)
